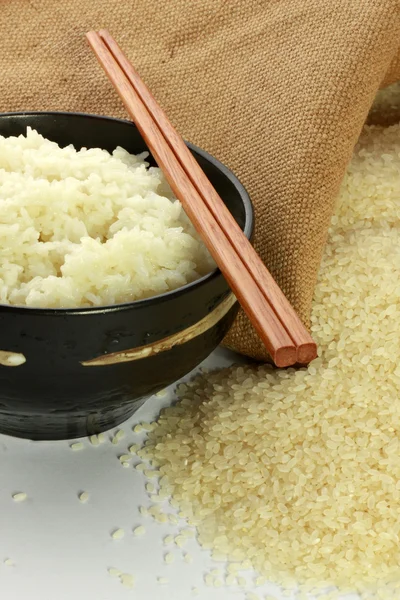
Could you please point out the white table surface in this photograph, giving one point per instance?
(62, 548)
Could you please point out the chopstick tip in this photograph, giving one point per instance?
(307, 353)
(285, 356)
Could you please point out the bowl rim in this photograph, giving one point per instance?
(152, 300)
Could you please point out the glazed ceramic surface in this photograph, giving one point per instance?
(74, 372)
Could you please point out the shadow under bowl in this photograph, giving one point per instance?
(87, 370)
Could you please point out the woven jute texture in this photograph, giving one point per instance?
(276, 89)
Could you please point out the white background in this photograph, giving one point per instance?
(62, 548)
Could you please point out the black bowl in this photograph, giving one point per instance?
(66, 373)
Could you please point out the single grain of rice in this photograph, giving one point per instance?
(140, 530)
(19, 497)
(169, 558)
(118, 534)
(169, 539)
(114, 572)
(77, 446)
(127, 580)
(9, 562)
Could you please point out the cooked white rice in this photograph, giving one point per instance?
(297, 473)
(87, 228)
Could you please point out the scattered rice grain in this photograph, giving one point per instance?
(169, 539)
(127, 580)
(125, 457)
(169, 558)
(118, 534)
(77, 446)
(180, 541)
(19, 497)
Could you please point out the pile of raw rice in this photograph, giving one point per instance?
(88, 228)
(298, 472)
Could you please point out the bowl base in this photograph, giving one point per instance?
(65, 426)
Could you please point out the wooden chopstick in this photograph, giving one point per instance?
(306, 347)
(265, 320)
(267, 324)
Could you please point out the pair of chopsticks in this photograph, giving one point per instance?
(279, 327)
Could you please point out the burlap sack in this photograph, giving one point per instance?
(276, 89)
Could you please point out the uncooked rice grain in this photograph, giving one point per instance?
(77, 446)
(89, 228)
(127, 580)
(298, 471)
(173, 519)
(169, 558)
(9, 562)
(118, 534)
(140, 530)
(251, 596)
(162, 518)
(20, 497)
(180, 541)
(125, 457)
(169, 539)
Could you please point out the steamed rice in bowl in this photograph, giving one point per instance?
(99, 229)
(89, 228)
